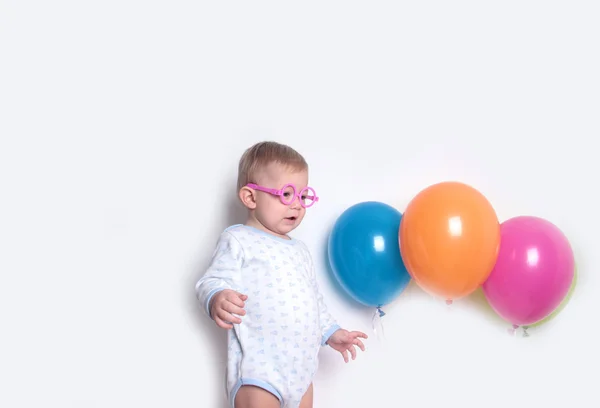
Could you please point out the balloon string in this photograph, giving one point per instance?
(515, 328)
(377, 323)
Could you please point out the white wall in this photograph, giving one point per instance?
(122, 123)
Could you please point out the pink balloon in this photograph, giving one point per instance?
(533, 271)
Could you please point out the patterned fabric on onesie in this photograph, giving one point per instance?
(276, 346)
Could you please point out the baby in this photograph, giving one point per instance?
(261, 285)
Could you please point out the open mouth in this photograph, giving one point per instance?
(291, 218)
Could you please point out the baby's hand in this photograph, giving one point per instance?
(344, 341)
(224, 304)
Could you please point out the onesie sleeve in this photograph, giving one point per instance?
(328, 323)
(223, 272)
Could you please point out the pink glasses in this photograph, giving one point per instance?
(288, 194)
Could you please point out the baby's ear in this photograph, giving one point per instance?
(247, 197)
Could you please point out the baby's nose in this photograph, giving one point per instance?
(295, 203)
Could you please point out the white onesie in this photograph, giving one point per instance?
(286, 322)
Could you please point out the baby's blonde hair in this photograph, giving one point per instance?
(262, 154)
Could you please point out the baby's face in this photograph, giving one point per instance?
(270, 211)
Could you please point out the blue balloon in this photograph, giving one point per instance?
(364, 253)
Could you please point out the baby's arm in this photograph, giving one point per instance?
(332, 334)
(328, 323)
(223, 273)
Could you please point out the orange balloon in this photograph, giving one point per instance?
(449, 239)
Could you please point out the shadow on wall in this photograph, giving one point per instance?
(212, 335)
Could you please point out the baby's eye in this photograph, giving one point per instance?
(286, 194)
(304, 197)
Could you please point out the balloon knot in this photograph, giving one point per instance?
(381, 312)
(448, 302)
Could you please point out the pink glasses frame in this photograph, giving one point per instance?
(279, 193)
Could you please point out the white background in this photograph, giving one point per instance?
(121, 125)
